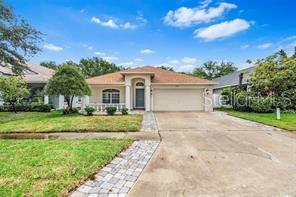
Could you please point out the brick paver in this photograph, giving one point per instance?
(117, 178)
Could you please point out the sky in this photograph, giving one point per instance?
(179, 33)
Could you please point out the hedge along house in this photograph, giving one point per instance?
(151, 89)
(36, 78)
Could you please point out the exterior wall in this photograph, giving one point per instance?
(96, 92)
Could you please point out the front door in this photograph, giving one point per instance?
(140, 98)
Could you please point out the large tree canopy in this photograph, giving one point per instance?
(49, 64)
(95, 66)
(13, 89)
(275, 75)
(68, 81)
(211, 70)
(18, 39)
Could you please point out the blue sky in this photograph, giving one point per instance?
(179, 33)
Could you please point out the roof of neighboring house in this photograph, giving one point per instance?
(233, 78)
(32, 74)
(159, 76)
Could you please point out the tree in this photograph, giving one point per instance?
(211, 70)
(276, 76)
(13, 90)
(68, 81)
(95, 66)
(282, 54)
(18, 39)
(294, 55)
(50, 64)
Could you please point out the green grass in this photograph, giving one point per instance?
(288, 120)
(32, 122)
(52, 167)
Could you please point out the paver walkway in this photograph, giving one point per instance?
(149, 123)
(117, 178)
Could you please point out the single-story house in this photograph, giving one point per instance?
(230, 80)
(37, 77)
(151, 89)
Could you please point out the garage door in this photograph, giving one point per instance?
(178, 100)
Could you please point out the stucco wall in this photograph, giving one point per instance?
(96, 92)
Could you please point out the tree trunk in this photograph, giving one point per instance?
(14, 107)
(71, 102)
(68, 102)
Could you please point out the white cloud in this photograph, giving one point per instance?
(205, 3)
(264, 46)
(244, 46)
(189, 60)
(52, 47)
(98, 53)
(90, 48)
(184, 17)
(128, 25)
(127, 64)
(222, 30)
(110, 58)
(186, 68)
(109, 23)
(138, 60)
(147, 51)
(115, 24)
(174, 62)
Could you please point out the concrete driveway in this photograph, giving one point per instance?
(209, 154)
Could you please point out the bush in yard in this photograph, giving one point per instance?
(68, 81)
(124, 111)
(41, 107)
(89, 110)
(70, 111)
(242, 101)
(261, 104)
(13, 90)
(110, 110)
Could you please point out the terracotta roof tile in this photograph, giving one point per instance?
(160, 76)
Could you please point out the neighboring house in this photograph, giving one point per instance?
(37, 77)
(230, 80)
(150, 89)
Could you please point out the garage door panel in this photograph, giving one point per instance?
(177, 100)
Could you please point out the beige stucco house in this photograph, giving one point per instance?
(151, 89)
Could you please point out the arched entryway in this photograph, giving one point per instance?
(139, 97)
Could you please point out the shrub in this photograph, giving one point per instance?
(68, 111)
(261, 104)
(227, 94)
(110, 110)
(89, 110)
(242, 101)
(24, 107)
(124, 111)
(41, 107)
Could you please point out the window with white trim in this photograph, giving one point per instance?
(111, 96)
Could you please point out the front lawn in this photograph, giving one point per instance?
(56, 122)
(52, 167)
(288, 120)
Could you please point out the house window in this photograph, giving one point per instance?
(139, 84)
(111, 96)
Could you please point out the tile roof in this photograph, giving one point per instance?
(160, 76)
(233, 78)
(33, 74)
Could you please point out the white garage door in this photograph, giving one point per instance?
(178, 100)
